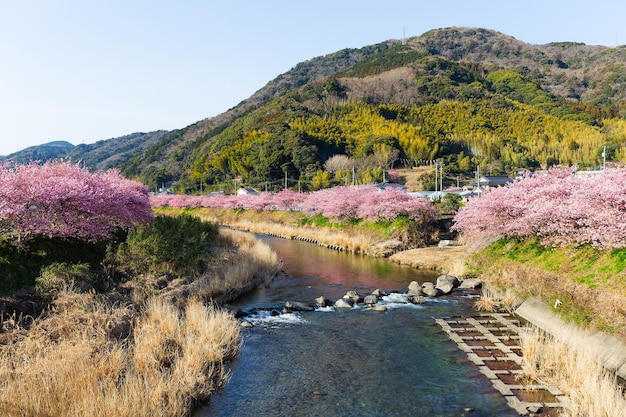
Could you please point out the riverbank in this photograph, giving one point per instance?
(516, 282)
(151, 346)
(365, 237)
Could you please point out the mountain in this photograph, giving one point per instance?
(43, 152)
(101, 155)
(111, 153)
(467, 97)
(464, 96)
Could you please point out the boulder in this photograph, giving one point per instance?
(415, 288)
(354, 296)
(379, 308)
(447, 279)
(471, 284)
(370, 299)
(416, 299)
(429, 289)
(343, 303)
(296, 306)
(246, 324)
(444, 288)
(321, 301)
(235, 311)
(379, 293)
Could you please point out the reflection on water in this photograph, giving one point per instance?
(354, 362)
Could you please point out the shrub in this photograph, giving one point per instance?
(57, 276)
(21, 266)
(178, 244)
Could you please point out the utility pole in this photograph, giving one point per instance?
(441, 178)
(436, 180)
(603, 157)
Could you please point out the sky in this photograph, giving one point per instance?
(86, 70)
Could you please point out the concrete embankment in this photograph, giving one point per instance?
(611, 350)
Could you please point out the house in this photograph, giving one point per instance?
(391, 186)
(247, 191)
(487, 182)
(589, 174)
(437, 195)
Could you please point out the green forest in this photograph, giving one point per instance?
(287, 138)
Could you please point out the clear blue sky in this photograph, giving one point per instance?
(83, 70)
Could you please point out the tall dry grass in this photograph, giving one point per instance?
(351, 242)
(73, 363)
(492, 300)
(566, 362)
(252, 264)
(259, 257)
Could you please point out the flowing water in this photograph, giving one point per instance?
(355, 362)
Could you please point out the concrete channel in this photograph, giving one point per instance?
(491, 342)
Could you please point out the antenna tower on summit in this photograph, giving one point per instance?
(403, 35)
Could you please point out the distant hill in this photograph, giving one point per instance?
(111, 153)
(101, 155)
(43, 152)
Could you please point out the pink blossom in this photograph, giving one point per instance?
(560, 208)
(60, 199)
(343, 203)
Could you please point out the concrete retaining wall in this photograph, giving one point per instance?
(611, 350)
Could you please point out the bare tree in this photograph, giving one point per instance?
(338, 163)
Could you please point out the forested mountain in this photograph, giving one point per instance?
(111, 153)
(50, 150)
(101, 155)
(462, 96)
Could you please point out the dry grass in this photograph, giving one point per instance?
(252, 264)
(593, 308)
(72, 364)
(352, 242)
(492, 301)
(567, 362)
(145, 354)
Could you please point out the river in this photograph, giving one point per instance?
(355, 362)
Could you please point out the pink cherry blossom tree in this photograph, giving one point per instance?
(341, 203)
(560, 208)
(63, 200)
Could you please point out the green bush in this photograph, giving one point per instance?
(450, 203)
(178, 244)
(56, 276)
(21, 266)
